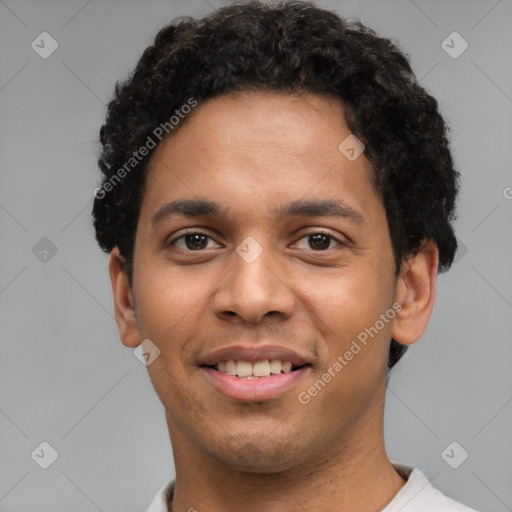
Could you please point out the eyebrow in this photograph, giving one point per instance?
(303, 208)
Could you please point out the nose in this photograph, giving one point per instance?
(250, 291)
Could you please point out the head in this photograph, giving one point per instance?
(248, 108)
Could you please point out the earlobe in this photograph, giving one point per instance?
(416, 291)
(124, 308)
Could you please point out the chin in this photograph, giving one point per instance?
(264, 456)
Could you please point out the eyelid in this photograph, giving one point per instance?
(188, 231)
(323, 231)
(203, 231)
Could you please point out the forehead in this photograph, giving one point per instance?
(260, 148)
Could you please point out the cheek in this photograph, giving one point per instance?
(168, 302)
(347, 302)
(344, 310)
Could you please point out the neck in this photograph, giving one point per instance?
(353, 475)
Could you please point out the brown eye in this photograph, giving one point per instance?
(193, 241)
(319, 241)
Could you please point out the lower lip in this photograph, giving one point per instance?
(255, 390)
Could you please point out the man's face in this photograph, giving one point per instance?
(254, 154)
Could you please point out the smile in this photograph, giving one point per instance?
(258, 369)
(254, 382)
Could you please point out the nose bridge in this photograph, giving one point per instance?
(253, 286)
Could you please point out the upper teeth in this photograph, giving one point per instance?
(258, 369)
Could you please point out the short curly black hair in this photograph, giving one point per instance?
(292, 47)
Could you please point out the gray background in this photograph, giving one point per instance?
(65, 378)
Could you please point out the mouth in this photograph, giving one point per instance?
(254, 382)
(257, 370)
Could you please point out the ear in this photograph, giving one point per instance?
(416, 292)
(124, 308)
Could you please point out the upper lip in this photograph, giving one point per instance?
(253, 354)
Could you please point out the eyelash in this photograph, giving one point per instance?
(196, 232)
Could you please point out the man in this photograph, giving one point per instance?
(277, 202)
